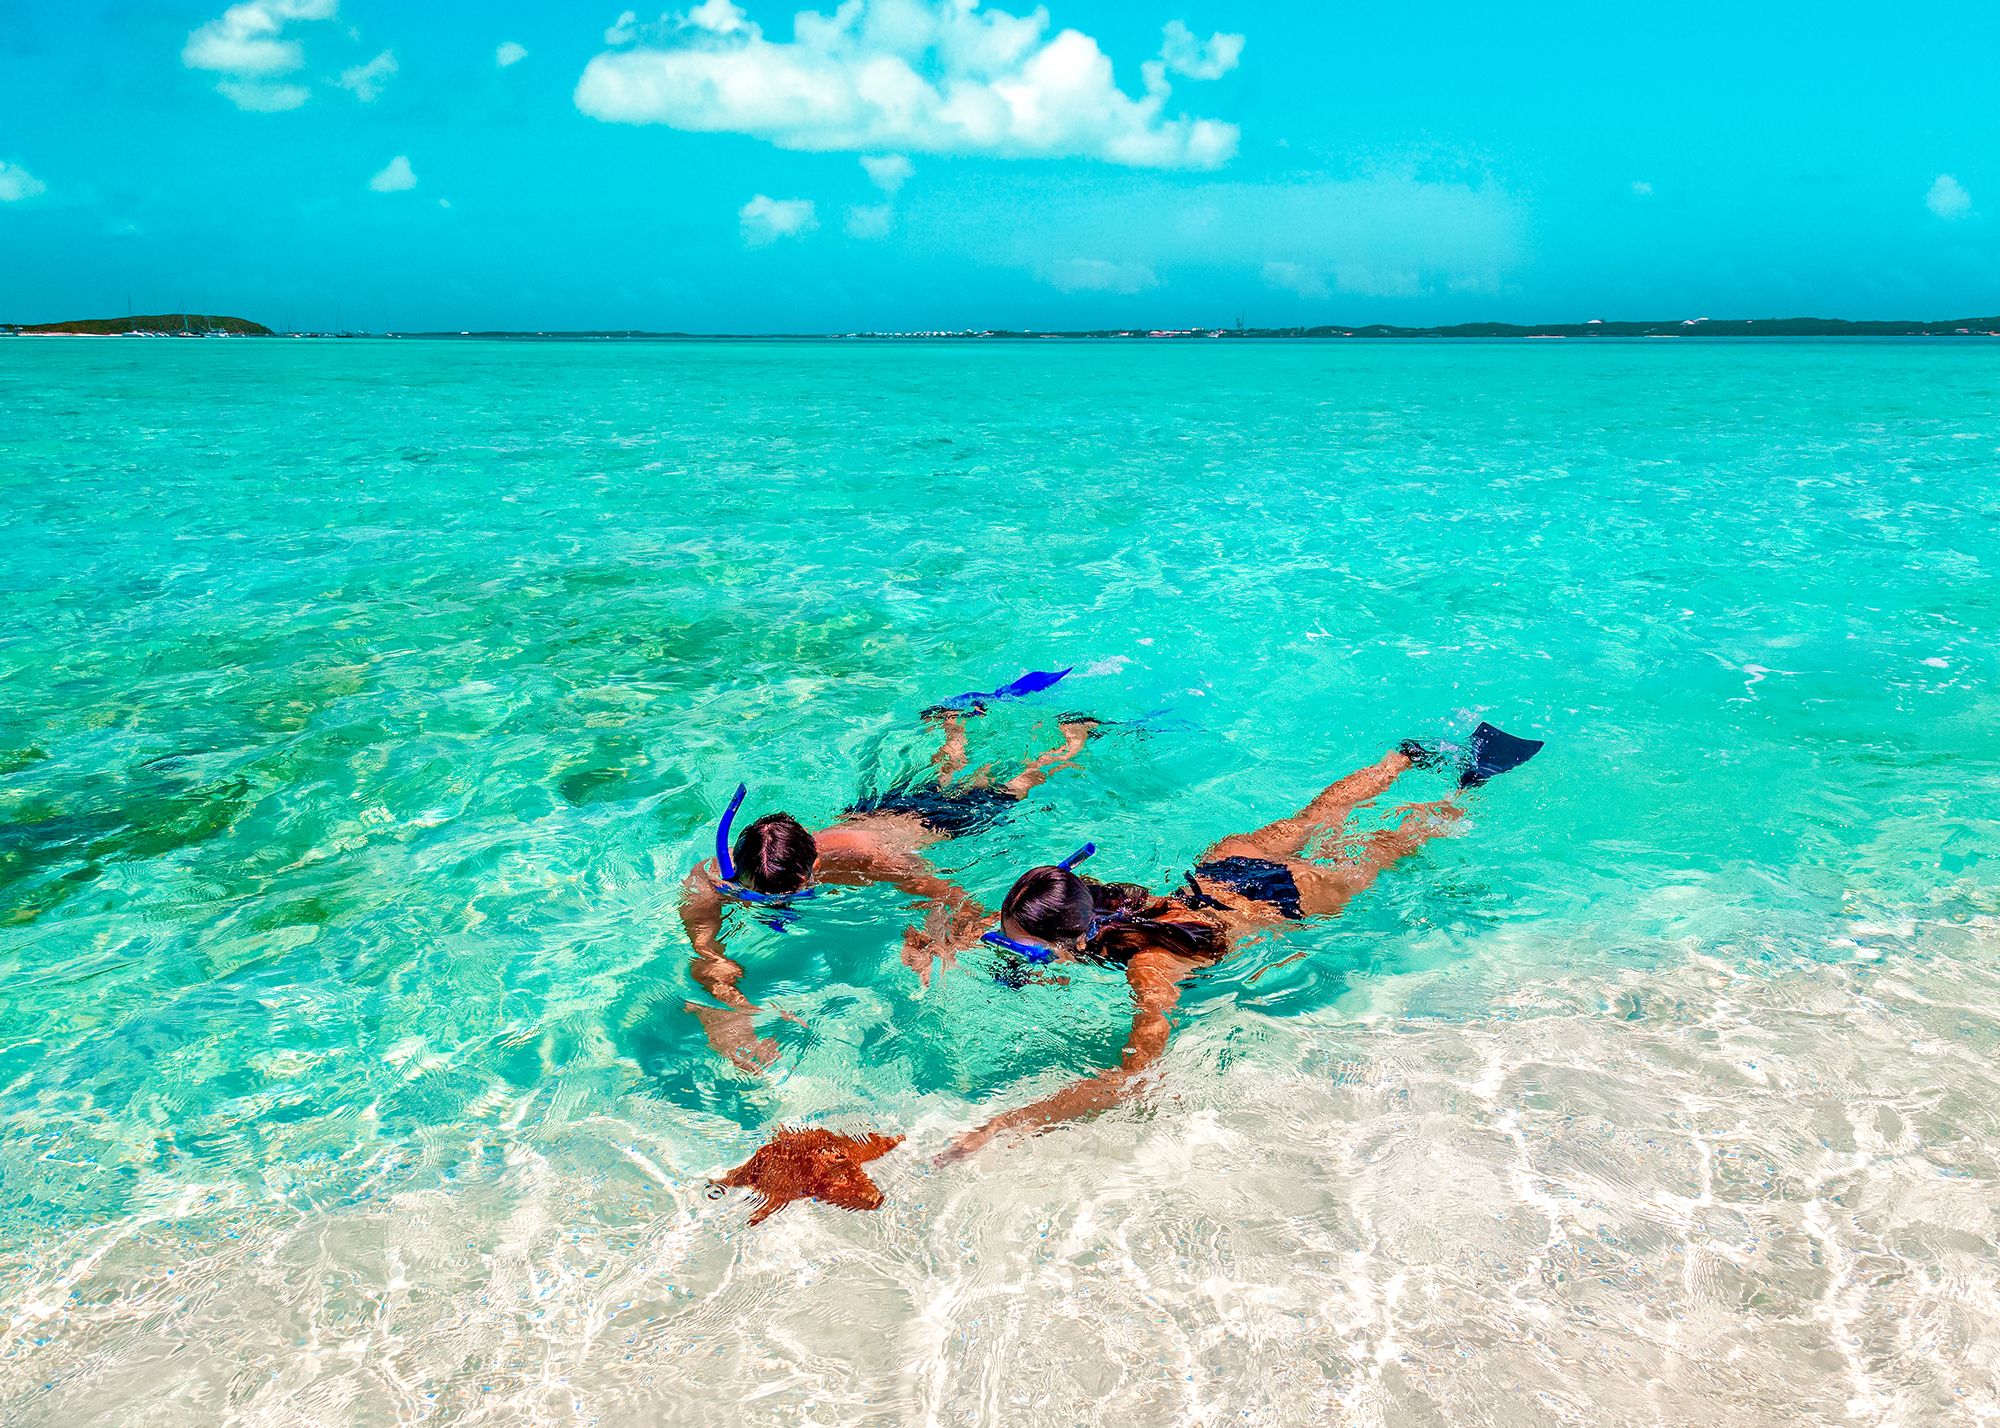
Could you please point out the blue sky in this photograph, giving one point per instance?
(901, 164)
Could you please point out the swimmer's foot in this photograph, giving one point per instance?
(1424, 753)
(951, 715)
(1489, 753)
(1077, 729)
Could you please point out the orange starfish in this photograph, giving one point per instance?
(813, 1164)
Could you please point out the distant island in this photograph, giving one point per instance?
(184, 324)
(1673, 327)
(163, 324)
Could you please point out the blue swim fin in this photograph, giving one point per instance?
(1494, 751)
(1033, 682)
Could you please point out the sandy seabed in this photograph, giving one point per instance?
(1695, 1194)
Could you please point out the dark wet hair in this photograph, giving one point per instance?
(775, 855)
(1051, 903)
(1058, 907)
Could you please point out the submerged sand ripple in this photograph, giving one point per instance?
(1694, 1194)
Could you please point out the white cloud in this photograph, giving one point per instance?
(1295, 278)
(261, 98)
(367, 80)
(929, 76)
(887, 172)
(16, 183)
(510, 54)
(1095, 275)
(246, 45)
(1948, 198)
(396, 177)
(1641, 189)
(870, 220)
(765, 220)
(718, 17)
(1190, 58)
(244, 40)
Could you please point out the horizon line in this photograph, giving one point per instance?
(196, 324)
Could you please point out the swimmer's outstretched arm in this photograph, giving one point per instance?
(1155, 978)
(952, 921)
(701, 917)
(728, 1027)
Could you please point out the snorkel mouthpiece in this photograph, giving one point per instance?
(1028, 951)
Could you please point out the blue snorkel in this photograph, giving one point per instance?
(1035, 952)
(727, 885)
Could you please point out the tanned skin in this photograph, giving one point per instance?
(1155, 976)
(859, 849)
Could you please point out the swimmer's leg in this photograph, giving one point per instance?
(1325, 888)
(949, 760)
(1285, 839)
(1076, 733)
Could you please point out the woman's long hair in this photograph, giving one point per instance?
(1059, 906)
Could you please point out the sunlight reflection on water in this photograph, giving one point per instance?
(367, 702)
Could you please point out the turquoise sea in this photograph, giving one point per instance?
(365, 701)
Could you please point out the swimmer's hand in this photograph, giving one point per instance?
(1423, 753)
(965, 1145)
(756, 1058)
(917, 955)
(922, 952)
(949, 929)
(732, 1035)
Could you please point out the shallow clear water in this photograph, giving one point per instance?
(364, 702)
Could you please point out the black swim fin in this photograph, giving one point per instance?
(1494, 751)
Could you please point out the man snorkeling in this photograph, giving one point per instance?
(775, 863)
(1245, 885)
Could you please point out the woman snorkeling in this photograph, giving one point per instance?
(1247, 884)
(776, 862)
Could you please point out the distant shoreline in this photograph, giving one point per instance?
(198, 325)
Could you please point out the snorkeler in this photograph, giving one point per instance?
(1247, 884)
(776, 862)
